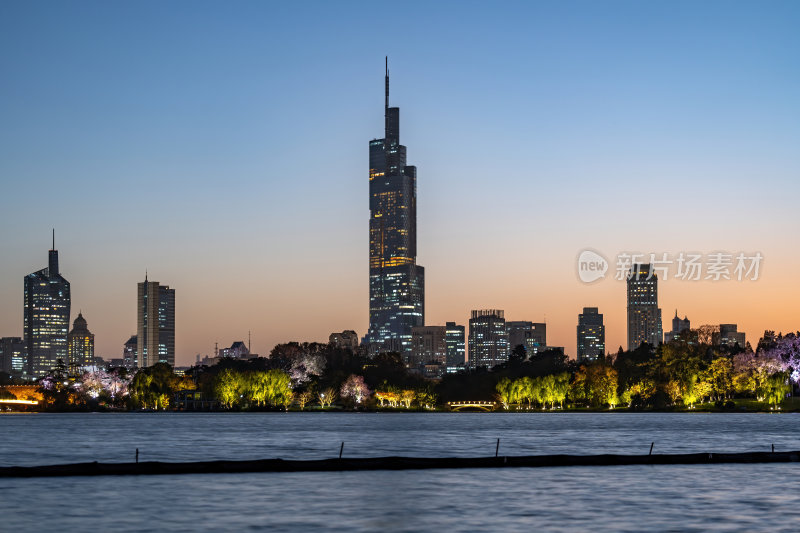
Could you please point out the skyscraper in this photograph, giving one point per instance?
(46, 317)
(644, 316)
(591, 335)
(155, 338)
(396, 282)
(80, 344)
(456, 349)
(488, 338)
(519, 331)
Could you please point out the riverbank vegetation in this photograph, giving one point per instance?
(680, 375)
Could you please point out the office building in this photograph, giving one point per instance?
(488, 338)
(456, 345)
(80, 345)
(428, 346)
(396, 282)
(46, 317)
(591, 335)
(237, 350)
(730, 336)
(644, 315)
(155, 337)
(12, 356)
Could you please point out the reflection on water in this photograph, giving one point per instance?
(631, 498)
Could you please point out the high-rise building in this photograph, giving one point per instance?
(519, 331)
(80, 344)
(644, 315)
(456, 348)
(346, 339)
(591, 335)
(730, 336)
(678, 326)
(488, 338)
(46, 317)
(129, 358)
(12, 355)
(396, 282)
(537, 341)
(155, 338)
(428, 346)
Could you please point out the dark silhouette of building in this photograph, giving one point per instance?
(729, 335)
(456, 345)
(155, 338)
(396, 282)
(678, 326)
(80, 344)
(12, 355)
(591, 335)
(644, 316)
(488, 338)
(129, 353)
(346, 339)
(46, 317)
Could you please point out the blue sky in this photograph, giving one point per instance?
(223, 147)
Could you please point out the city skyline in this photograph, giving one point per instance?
(514, 185)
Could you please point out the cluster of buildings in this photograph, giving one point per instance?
(47, 339)
(397, 286)
(396, 302)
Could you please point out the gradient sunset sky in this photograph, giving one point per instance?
(222, 147)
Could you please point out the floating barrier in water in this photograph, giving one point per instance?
(390, 463)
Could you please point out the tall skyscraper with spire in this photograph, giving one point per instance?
(46, 317)
(396, 282)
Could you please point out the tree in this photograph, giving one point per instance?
(776, 387)
(505, 392)
(227, 387)
(303, 398)
(406, 397)
(355, 389)
(720, 376)
(326, 397)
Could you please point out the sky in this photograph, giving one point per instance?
(223, 148)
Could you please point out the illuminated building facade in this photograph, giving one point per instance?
(591, 335)
(80, 344)
(12, 356)
(46, 317)
(238, 350)
(488, 338)
(456, 346)
(644, 316)
(396, 282)
(155, 338)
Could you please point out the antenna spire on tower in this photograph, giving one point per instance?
(54, 239)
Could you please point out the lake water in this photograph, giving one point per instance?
(629, 498)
